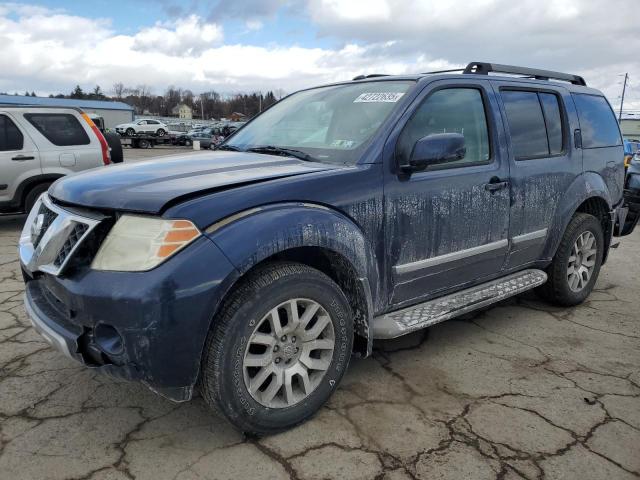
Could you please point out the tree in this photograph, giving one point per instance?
(118, 90)
(77, 92)
(33, 94)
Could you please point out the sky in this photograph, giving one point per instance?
(237, 46)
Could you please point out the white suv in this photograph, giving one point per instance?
(154, 127)
(38, 145)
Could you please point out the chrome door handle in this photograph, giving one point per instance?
(22, 158)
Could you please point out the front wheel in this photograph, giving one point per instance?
(130, 132)
(278, 349)
(160, 132)
(576, 264)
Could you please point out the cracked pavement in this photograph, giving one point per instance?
(520, 390)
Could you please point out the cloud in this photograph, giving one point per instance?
(43, 51)
(185, 36)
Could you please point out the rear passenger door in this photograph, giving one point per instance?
(19, 159)
(543, 164)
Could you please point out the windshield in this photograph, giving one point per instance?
(332, 124)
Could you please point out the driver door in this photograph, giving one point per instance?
(447, 226)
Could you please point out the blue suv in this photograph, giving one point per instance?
(345, 213)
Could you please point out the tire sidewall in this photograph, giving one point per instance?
(236, 401)
(592, 225)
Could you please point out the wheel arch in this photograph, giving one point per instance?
(30, 183)
(588, 193)
(313, 235)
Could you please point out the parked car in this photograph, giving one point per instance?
(181, 138)
(208, 138)
(38, 145)
(148, 126)
(254, 272)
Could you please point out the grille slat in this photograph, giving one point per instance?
(49, 217)
(74, 237)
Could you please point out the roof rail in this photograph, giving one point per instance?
(443, 71)
(482, 68)
(373, 75)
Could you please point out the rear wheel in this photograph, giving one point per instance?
(278, 349)
(576, 264)
(33, 195)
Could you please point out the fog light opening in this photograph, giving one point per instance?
(108, 339)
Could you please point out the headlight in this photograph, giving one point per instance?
(137, 243)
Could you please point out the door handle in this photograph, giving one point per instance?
(22, 158)
(495, 184)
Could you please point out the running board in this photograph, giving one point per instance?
(416, 317)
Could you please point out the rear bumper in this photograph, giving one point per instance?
(161, 318)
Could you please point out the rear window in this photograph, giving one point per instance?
(535, 123)
(61, 129)
(526, 124)
(10, 136)
(598, 123)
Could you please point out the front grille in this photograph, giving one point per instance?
(74, 237)
(66, 231)
(48, 217)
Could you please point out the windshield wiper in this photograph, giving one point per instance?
(287, 152)
(229, 147)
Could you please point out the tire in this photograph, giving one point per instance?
(225, 377)
(130, 132)
(113, 140)
(561, 288)
(160, 132)
(188, 142)
(144, 143)
(33, 195)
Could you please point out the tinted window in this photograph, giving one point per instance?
(62, 129)
(453, 110)
(10, 136)
(553, 119)
(598, 123)
(526, 124)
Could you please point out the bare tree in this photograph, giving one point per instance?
(118, 90)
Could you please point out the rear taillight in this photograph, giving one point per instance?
(104, 146)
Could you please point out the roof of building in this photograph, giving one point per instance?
(62, 102)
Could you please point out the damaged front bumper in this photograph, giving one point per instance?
(144, 326)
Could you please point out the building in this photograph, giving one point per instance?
(238, 117)
(182, 111)
(630, 128)
(113, 113)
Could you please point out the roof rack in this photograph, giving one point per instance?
(443, 71)
(373, 75)
(482, 68)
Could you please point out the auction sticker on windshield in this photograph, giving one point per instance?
(381, 97)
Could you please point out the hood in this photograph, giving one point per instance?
(148, 186)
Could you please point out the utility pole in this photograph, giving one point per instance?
(624, 89)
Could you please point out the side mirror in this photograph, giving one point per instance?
(436, 149)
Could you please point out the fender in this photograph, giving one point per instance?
(586, 185)
(251, 236)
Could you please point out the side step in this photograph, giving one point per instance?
(416, 317)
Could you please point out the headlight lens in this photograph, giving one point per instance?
(137, 243)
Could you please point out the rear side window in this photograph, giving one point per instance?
(61, 129)
(535, 123)
(553, 120)
(10, 135)
(598, 123)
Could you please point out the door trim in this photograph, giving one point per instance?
(535, 235)
(449, 257)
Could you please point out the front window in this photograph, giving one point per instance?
(330, 124)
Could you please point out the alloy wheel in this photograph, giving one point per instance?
(288, 353)
(582, 261)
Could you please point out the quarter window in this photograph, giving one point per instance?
(61, 129)
(553, 120)
(10, 135)
(451, 110)
(598, 124)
